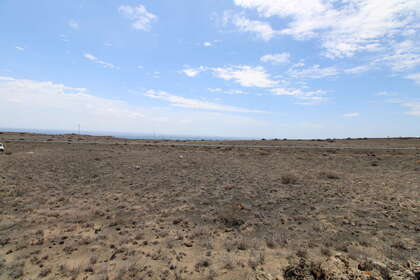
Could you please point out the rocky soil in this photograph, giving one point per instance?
(94, 211)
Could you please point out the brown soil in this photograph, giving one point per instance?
(94, 211)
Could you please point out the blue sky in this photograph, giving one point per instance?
(244, 68)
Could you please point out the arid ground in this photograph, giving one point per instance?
(74, 210)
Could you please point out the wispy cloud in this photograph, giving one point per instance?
(351, 115)
(36, 97)
(404, 55)
(257, 77)
(313, 72)
(277, 58)
(21, 49)
(246, 76)
(73, 24)
(94, 59)
(180, 101)
(385, 93)
(308, 97)
(192, 72)
(413, 105)
(344, 27)
(415, 77)
(262, 29)
(142, 19)
(358, 69)
(46, 104)
(227, 91)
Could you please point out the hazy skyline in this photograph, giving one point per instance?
(237, 68)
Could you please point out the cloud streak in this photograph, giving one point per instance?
(278, 58)
(415, 77)
(257, 77)
(412, 105)
(344, 27)
(49, 105)
(94, 59)
(245, 75)
(351, 115)
(140, 17)
(73, 24)
(183, 102)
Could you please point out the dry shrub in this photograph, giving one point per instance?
(243, 243)
(256, 258)
(302, 253)
(71, 268)
(229, 244)
(275, 239)
(227, 262)
(329, 175)
(16, 270)
(289, 179)
(202, 263)
(45, 272)
(231, 217)
(200, 231)
(326, 252)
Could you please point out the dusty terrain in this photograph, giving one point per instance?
(95, 211)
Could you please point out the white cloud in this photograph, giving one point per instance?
(351, 115)
(6, 79)
(246, 76)
(314, 72)
(210, 43)
(21, 49)
(344, 27)
(309, 97)
(412, 105)
(53, 103)
(180, 101)
(47, 105)
(228, 91)
(261, 29)
(385, 93)
(98, 61)
(73, 24)
(405, 55)
(415, 77)
(235, 91)
(142, 19)
(192, 72)
(215, 89)
(358, 69)
(278, 58)
(90, 56)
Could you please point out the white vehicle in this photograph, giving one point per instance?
(1, 147)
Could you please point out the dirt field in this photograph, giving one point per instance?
(95, 211)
